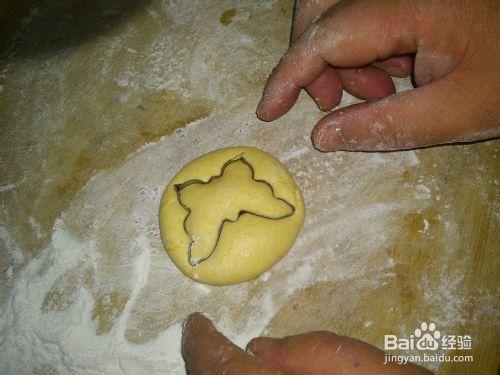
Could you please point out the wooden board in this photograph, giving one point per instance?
(390, 240)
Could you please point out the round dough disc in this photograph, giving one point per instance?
(230, 215)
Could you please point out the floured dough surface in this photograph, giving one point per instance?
(230, 215)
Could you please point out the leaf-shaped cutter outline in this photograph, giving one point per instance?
(181, 186)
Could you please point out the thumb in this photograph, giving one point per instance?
(436, 113)
(207, 351)
(326, 353)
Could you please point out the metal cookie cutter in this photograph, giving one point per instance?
(179, 187)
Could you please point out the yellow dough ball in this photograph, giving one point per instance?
(230, 215)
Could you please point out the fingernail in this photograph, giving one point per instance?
(260, 108)
(320, 141)
(187, 322)
(190, 319)
(261, 345)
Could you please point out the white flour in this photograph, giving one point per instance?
(67, 341)
(103, 297)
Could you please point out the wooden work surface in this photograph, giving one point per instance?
(390, 240)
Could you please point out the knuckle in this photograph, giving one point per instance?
(386, 138)
(387, 134)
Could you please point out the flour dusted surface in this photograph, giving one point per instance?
(88, 287)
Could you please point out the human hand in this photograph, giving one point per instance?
(369, 83)
(456, 72)
(207, 351)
